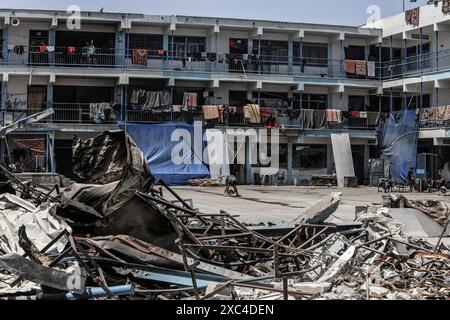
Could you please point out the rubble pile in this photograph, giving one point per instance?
(116, 235)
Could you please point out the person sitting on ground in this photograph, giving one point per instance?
(231, 181)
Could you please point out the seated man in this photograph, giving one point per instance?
(231, 182)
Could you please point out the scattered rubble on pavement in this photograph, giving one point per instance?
(115, 235)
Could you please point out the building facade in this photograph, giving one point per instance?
(309, 80)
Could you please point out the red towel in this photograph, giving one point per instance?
(71, 49)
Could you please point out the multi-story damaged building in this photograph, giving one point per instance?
(310, 80)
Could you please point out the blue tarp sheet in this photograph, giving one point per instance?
(155, 142)
(399, 138)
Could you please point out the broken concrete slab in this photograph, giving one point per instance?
(417, 224)
(321, 211)
(69, 281)
(312, 288)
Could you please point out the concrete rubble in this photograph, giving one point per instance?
(115, 235)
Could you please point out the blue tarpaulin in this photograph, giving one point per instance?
(399, 138)
(155, 141)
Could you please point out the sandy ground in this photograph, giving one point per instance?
(281, 205)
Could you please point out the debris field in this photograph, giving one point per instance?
(115, 235)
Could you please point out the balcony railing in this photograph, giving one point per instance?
(163, 60)
(82, 113)
(418, 64)
(221, 63)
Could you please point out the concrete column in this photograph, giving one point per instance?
(121, 47)
(366, 56)
(5, 42)
(250, 95)
(50, 98)
(391, 57)
(342, 59)
(208, 44)
(250, 45)
(330, 157)
(391, 100)
(291, 99)
(380, 61)
(437, 50)
(290, 55)
(51, 152)
(4, 98)
(52, 42)
(166, 41)
(437, 97)
(405, 53)
(366, 162)
(290, 160)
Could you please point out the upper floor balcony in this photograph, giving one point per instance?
(416, 65)
(156, 60)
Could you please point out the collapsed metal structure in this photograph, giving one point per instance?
(131, 237)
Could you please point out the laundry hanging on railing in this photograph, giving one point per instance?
(252, 112)
(350, 66)
(334, 116)
(435, 116)
(412, 17)
(440, 115)
(140, 56)
(190, 100)
(445, 6)
(151, 100)
(211, 112)
(16, 49)
(97, 111)
(371, 69)
(361, 68)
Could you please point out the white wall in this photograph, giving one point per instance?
(396, 24)
(20, 35)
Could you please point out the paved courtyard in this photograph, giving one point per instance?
(281, 205)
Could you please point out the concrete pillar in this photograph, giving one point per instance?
(51, 42)
(50, 98)
(250, 95)
(166, 41)
(51, 152)
(436, 104)
(290, 55)
(366, 162)
(250, 45)
(330, 157)
(208, 44)
(291, 100)
(4, 98)
(121, 47)
(290, 160)
(437, 50)
(342, 57)
(5, 43)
